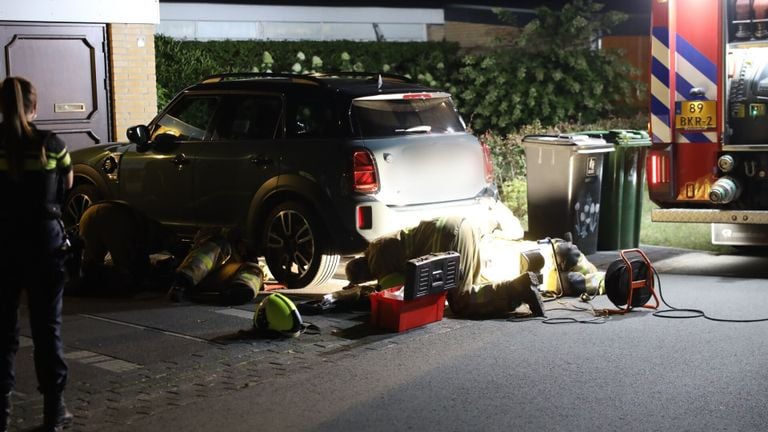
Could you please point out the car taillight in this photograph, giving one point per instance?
(487, 163)
(364, 173)
(658, 168)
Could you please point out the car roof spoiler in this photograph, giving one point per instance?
(315, 78)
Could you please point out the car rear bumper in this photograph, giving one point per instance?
(486, 212)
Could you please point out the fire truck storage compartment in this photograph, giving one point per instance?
(747, 94)
(564, 175)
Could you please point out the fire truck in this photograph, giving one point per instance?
(708, 162)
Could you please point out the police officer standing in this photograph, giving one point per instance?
(35, 171)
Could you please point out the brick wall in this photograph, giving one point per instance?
(435, 32)
(132, 72)
(636, 50)
(471, 35)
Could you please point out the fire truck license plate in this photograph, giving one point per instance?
(696, 115)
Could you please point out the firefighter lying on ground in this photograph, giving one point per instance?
(215, 270)
(493, 282)
(475, 295)
(129, 236)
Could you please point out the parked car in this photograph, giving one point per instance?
(311, 167)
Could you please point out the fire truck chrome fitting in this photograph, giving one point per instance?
(726, 163)
(724, 190)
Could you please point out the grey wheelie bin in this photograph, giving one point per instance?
(622, 196)
(564, 185)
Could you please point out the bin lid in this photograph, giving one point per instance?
(622, 137)
(579, 142)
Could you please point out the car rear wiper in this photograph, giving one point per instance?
(416, 129)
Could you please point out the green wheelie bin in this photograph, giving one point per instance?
(622, 188)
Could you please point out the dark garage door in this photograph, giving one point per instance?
(67, 64)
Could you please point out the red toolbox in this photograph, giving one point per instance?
(393, 313)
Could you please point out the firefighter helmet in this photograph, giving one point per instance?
(277, 314)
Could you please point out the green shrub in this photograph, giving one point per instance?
(552, 73)
(182, 63)
(515, 197)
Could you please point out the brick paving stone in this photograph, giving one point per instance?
(102, 400)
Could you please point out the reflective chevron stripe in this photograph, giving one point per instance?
(697, 137)
(660, 97)
(693, 69)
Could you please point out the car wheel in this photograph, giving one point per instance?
(295, 248)
(78, 200)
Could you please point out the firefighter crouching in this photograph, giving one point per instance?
(129, 236)
(215, 271)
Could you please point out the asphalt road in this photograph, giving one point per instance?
(143, 364)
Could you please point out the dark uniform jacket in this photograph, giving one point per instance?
(36, 193)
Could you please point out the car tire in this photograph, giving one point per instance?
(296, 248)
(78, 200)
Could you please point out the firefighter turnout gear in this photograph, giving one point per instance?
(210, 250)
(574, 274)
(474, 296)
(128, 235)
(214, 271)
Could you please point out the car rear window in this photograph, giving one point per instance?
(401, 114)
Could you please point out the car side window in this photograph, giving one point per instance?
(187, 120)
(248, 117)
(310, 119)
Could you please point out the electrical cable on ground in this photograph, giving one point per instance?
(599, 317)
(687, 313)
(569, 320)
(600, 314)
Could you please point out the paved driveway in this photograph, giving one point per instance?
(145, 364)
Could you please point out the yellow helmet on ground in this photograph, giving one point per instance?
(277, 314)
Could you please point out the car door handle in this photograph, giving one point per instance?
(261, 161)
(180, 159)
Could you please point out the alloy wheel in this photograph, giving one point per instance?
(292, 243)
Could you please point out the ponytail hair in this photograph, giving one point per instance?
(18, 98)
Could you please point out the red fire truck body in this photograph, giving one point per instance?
(709, 118)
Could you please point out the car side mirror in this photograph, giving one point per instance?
(138, 135)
